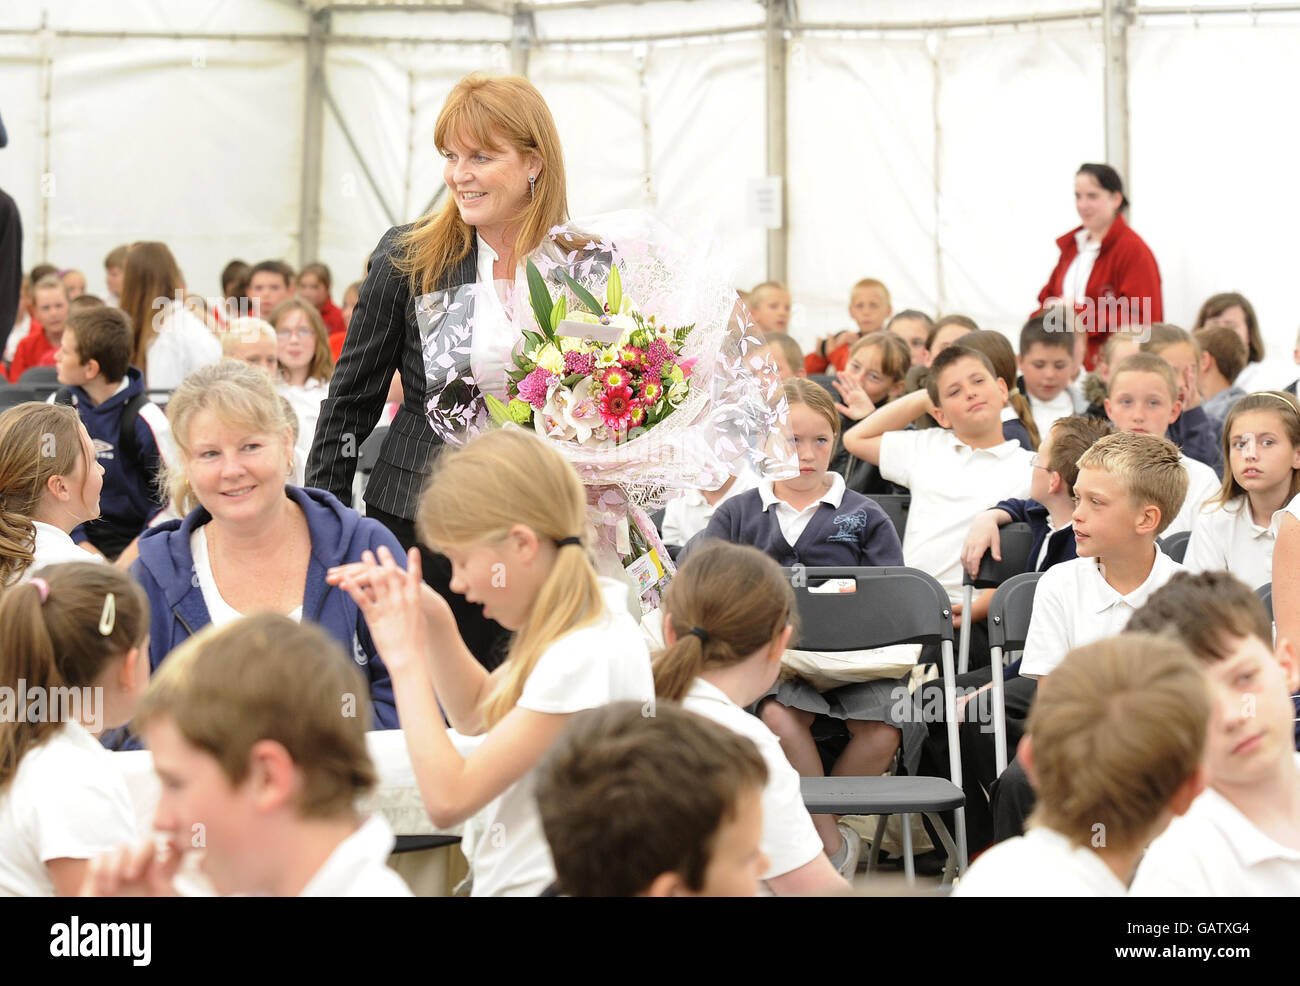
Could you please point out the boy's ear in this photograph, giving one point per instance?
(1149, 519)
(1286, 657)
(272, 773)
(1188, 791)
(1055, 483)
(1207, 361)
(1178, 409)
(92, 367)
(666, 885)
(1105, 403)
(1002, 387)
(941, 418)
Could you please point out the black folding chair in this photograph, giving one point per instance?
(40, 375)
(1009, 613)
(1265, 593)
(888, 606)
(896, 506)
(20, 393)
(1175, 545)
(1016, 542)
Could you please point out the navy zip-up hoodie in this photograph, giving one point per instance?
(130, 498)
(339, 535)
(1060, 548)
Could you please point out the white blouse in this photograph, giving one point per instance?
(494, 338)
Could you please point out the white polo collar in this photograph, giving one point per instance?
(1244, 838)
(1106, 595)
(834, 496)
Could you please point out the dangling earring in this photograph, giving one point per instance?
(532, 187)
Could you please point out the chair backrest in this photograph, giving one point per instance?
(40, 374)
(1265, 593)
(20, 393)
(1010, 609)
(1175, 545)
(896, 506)
(888, 606)
(1017, 540)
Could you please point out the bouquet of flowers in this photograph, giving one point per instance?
(633, 356)
(596, 377)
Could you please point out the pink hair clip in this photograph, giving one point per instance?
(43, 588)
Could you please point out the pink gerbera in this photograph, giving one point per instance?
(533, 388)
(616, 407)
(632, 357)
(615, 377)
(651, 392)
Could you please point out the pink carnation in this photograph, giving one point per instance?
(533, 387)
(583, 363)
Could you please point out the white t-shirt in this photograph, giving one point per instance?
(16, 335)
(1040, 863)
(1267, 374)
(358, 866)
(55, 546)
(1202, 485)
(1226, 538)
(791, 521)
(1216, 851)
(66, 801)
(605, 662)
(1047, 413)
(950, 483)
(183, 344)
(789, 838)
(219, 611)
(305, 401)
(1075, 605)
(690, 513)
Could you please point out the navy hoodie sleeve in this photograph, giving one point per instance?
(1197, 434)
(1018, 510)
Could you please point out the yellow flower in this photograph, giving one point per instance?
(548, 358)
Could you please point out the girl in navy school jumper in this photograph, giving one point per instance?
(842, 528)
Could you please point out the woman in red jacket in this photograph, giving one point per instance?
(1106, 273)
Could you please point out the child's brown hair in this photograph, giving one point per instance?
(37, 442)
(1071, 437)
(1117, 729)
(150, 274)
(1163, 335)
(995, 346)
(1225, 348)
(1206, 612)
(788, 346)
(626, 796)
(1150, 469)
(267, 677)
(965, 321)
(1287, 409)
(58, 633)
(1146, 363)
(1035, 332)
(104, 335)
(1217, 304)
(318, 271)
(895, 354)
(799, 390)
(952, 354)
(727, 602)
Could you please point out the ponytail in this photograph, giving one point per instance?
(727, 602)
(58, 631)
(1021, 406)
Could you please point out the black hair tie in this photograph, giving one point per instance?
(561, 542)
(701, 633)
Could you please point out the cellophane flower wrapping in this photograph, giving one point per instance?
(734, 414)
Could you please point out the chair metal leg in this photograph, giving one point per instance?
(909, 865)
(945, 837)
(963, 646)
(999, 710)
(954, 745)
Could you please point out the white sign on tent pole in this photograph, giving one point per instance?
(763, 202)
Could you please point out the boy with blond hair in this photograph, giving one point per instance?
(665, 804)
(258, 735)
(1144, 399)
(1241, 837)
(1114, 751)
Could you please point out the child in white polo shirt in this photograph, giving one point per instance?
(258, 734)
(1143, 399)
(1241, 838)
(952, 475)
(1127, 489)
(1114, 749)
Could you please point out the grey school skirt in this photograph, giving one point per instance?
(884, 700)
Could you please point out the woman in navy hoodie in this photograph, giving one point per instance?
(249, 542)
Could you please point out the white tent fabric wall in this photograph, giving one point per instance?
(951, 196)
